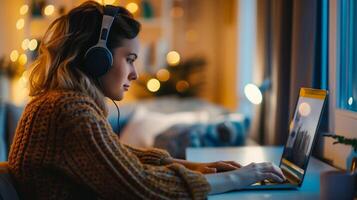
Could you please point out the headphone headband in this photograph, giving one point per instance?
(98, 58)
(108, 17)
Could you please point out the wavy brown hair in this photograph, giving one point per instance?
(60, 63)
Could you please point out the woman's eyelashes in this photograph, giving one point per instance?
(130, 60)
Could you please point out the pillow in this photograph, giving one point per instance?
(145, 125)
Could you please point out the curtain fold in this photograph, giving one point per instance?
(294, 57)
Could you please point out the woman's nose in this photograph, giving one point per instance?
(133, 74)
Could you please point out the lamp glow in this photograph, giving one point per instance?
(14, 55)
(23, 9)
(182, 86)
(173, 58)
(163, 75)
(20, 24)
(25, 44)
(253, 93)
(49, 10)
(153, 85)
(350, 101)
(33, 44)
(23, 59)
(132, 7)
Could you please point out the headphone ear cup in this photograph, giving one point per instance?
(98, 61)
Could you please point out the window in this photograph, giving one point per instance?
(342, 71)
(346, 69)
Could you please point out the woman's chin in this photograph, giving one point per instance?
(116, 97)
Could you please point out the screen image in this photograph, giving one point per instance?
(301, 133)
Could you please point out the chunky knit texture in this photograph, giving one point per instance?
(64, 148)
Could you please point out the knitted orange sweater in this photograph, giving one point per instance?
(64, 148)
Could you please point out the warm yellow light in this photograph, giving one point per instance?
(20, 23)
(25, 44)
(14, 55)
(33, 44)
(23, 59)
(21, 95)
(132, 7)
(106, 2)
(153, 85)
(173, 58)
(49, 10)
(304, 109)
(163, 75)
(24, 79)
(253, 93)
(23, 9)
(182, 86)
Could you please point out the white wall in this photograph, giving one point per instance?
(246, 44)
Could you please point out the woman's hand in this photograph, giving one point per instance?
(244, 176)
(256, 172)
(213, 167)
(210, 167)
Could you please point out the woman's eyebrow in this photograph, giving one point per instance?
(133, 54)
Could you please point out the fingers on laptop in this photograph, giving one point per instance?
(271, 168)
(268, 170)
(272, 176)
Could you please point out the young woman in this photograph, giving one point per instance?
(64, 147)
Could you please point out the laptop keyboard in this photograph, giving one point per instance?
(272, 182)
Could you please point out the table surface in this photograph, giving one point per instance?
(310, 188)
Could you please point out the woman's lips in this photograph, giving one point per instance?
(126, 87)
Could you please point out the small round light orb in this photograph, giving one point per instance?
(20, 23)
(25, 44)
(33, 44)
(49, 10)
(253, 93)
(163, 75)
(153, 85)
(132, 7)
(304, 109)
(23, 59)
(173, 58)
(350, 101)
(14, 55)
(182, 86)
(24, 9)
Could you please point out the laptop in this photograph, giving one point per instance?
(301, 139)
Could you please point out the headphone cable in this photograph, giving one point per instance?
(118, 124)
(118, 118)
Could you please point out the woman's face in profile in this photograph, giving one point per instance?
(118, 79)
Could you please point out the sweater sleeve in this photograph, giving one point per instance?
(152, 156)
(92, 157)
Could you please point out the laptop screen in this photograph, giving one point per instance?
(302, 131)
